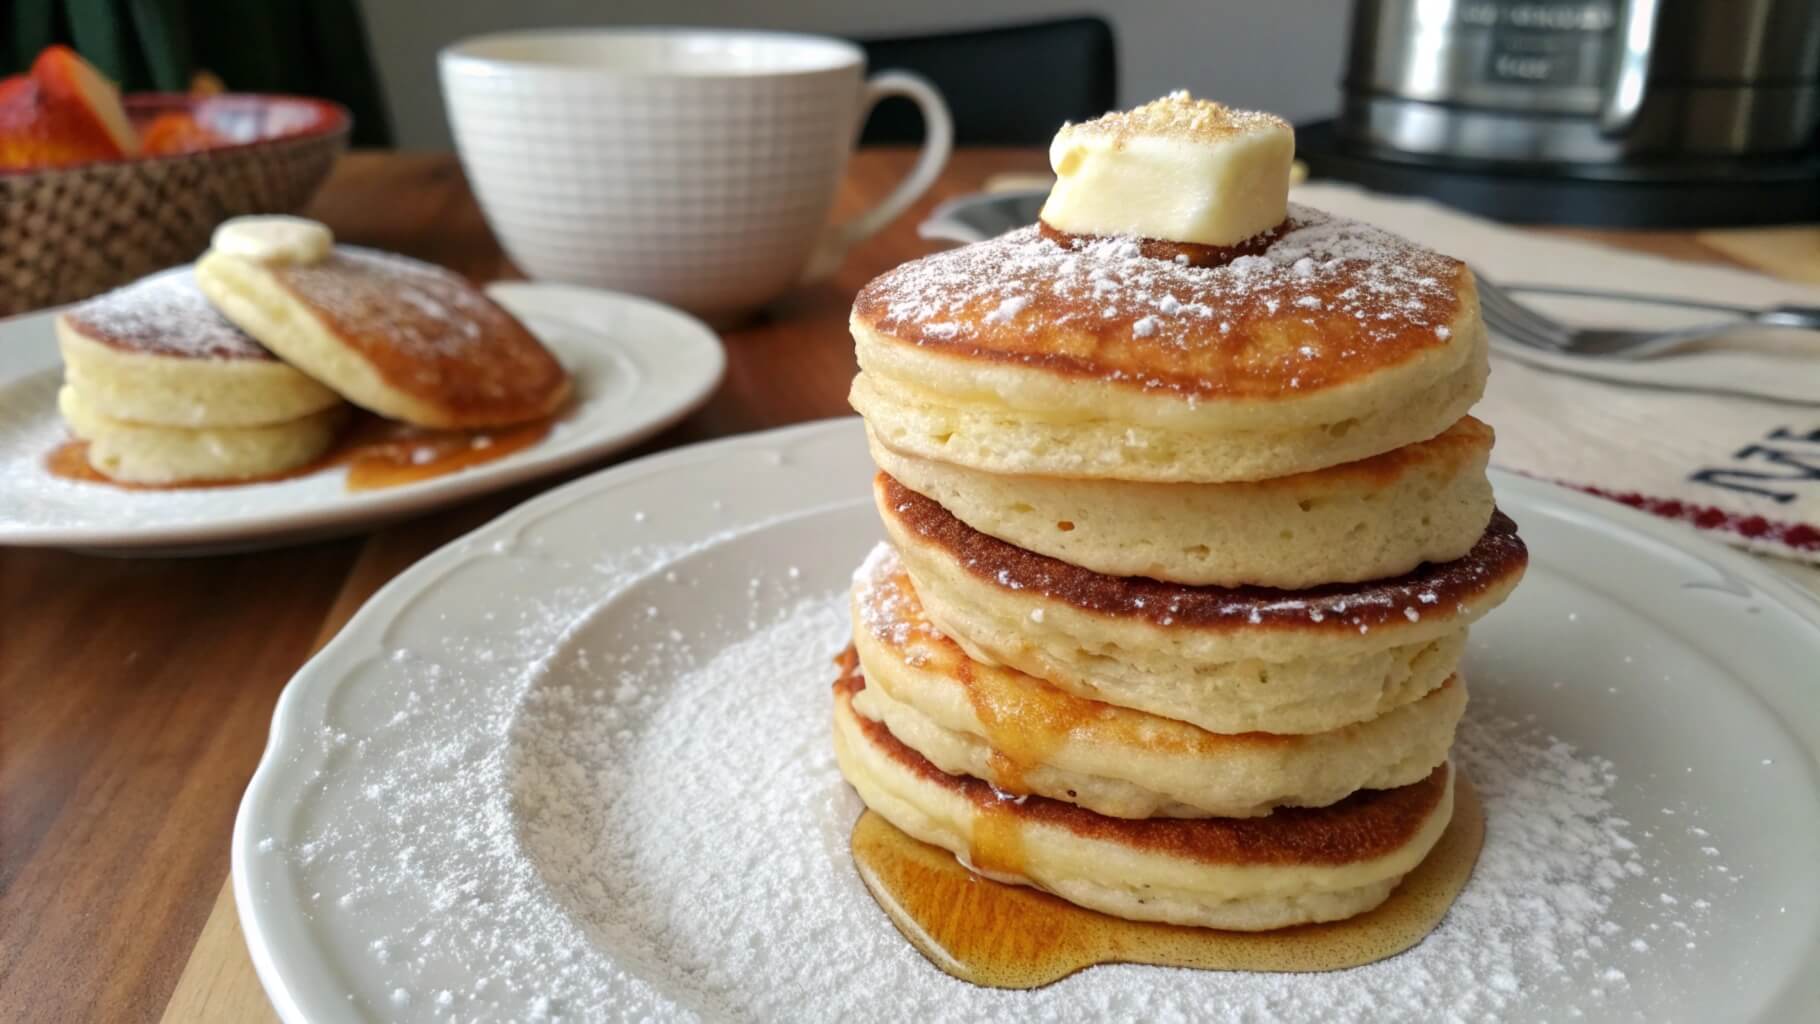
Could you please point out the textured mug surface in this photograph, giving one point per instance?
(694, 167)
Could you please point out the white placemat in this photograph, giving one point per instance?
(1662, 435)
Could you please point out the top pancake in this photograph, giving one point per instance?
(1321, 342)
(1327, 301)
(156, 353)
(165, 315)
(400, 337)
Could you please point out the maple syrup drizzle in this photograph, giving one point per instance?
(378, 453)
(997, 844)
(1022, 727)
(384, 453)
(1024, 724)
(1012, 936)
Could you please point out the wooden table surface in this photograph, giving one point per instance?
(135, 694)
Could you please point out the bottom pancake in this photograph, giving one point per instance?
(1295, 866)
(143, 454)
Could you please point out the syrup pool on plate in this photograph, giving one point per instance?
(1011, 936)
(378, 453)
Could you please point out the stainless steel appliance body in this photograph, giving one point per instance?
(1584, 82)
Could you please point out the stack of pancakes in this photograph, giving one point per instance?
(239, 369)
(164, 389)
(1184, 543)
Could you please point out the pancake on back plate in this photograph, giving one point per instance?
(167, 391)
(155, 352)
(148, 454)
(400, 337)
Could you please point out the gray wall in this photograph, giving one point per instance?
(1281, 55)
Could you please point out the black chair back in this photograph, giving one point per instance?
(1007, 86)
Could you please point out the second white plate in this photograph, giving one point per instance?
(638, 366)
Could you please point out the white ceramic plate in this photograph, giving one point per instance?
(638, 367)
(577, 765)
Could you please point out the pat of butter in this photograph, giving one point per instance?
(1177, 169)
(274, 240)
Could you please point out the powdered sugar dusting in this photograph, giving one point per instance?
(885, 608)
(473, 894)
(165, 314)
(421, 309)
(1179, 115)
(639, 816)
(651, 825)
(1345, 290)
(1008, 309)
(689, 824)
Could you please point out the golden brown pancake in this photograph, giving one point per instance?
(164, 315)
(1295, 866)
(1025, 736)
(151, 455)
(1106, 358)
(156, 353)
(1382, 516)
(403, 338)
(1377, 305)
(1229, 659)
(1338, 608)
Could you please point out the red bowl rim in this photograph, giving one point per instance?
(331, 119)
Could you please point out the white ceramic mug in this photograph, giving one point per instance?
(697, 167)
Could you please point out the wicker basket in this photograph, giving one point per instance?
(70, 233)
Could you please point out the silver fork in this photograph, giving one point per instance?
(1508, 316)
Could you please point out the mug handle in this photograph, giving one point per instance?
(938, 143)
